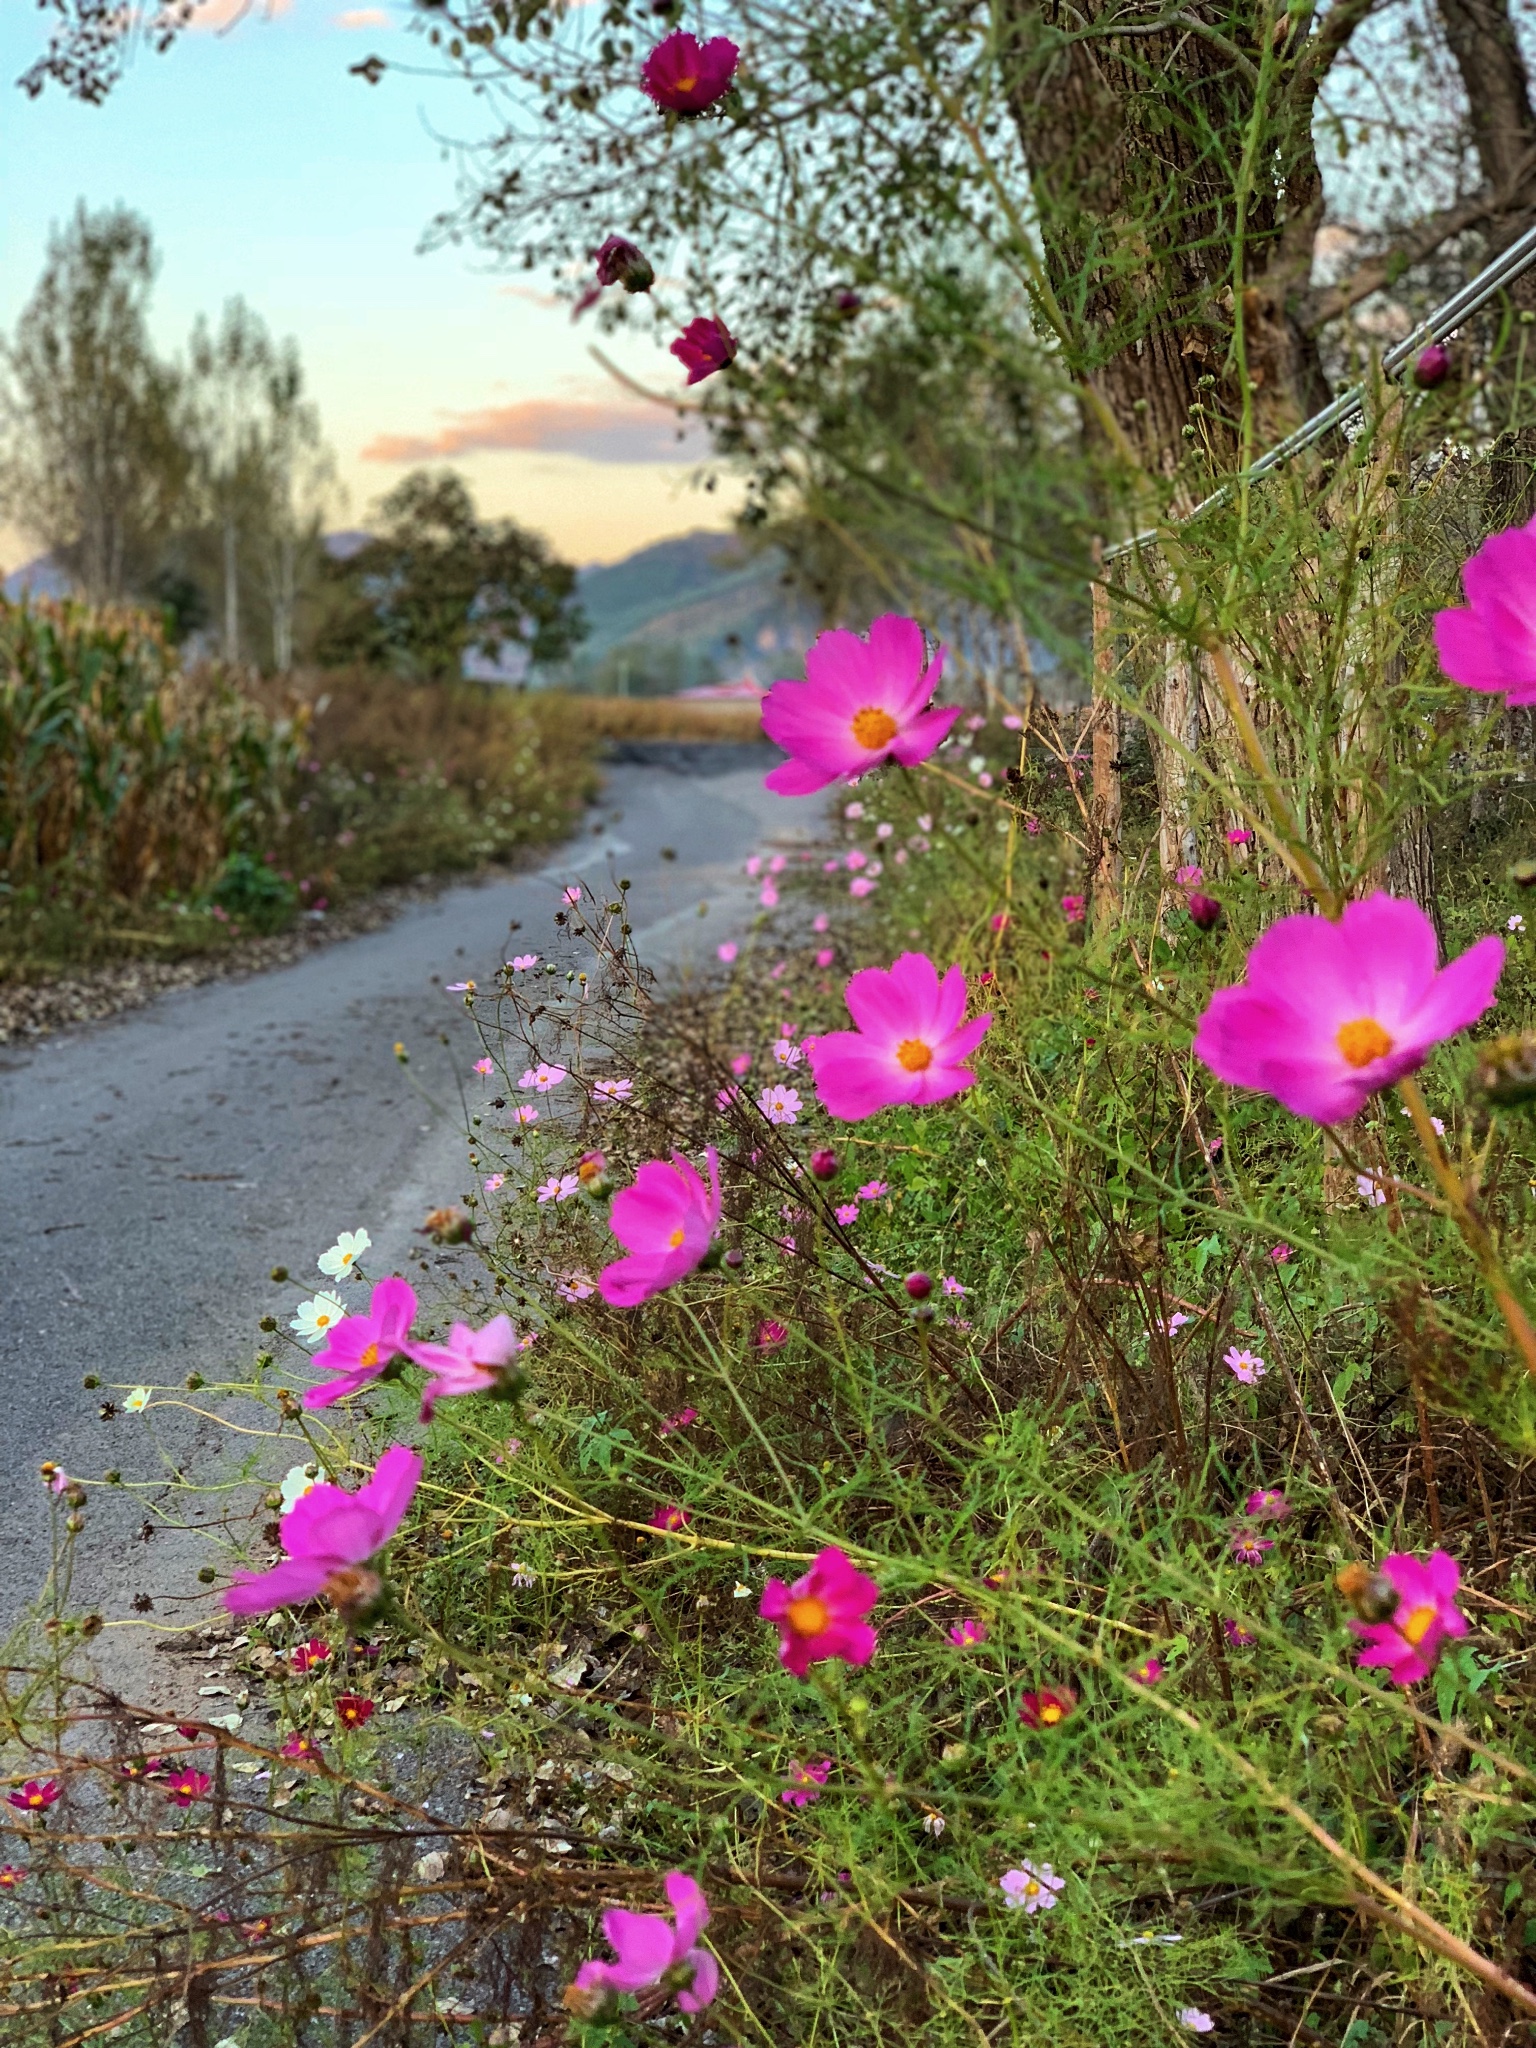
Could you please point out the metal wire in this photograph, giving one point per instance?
(1509, 264)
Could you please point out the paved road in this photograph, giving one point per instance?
(154, 1168)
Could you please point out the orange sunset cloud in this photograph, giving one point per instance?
(600, 432)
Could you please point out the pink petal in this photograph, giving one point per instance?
(923, 736)
(643, 1945)
(797, 777)
(388, 1493)
(706, 1981)
(289, 1584)
(1462, 991)
(690, 1906)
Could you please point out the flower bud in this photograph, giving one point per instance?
(734, 1260)
(620, 262)
(1506, 1070)
(1432, 367)
(1205, 911)
(918, 1285)
(824, 1163)
(447, 1226)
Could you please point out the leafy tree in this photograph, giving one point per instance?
(438, 581)
(93, 458)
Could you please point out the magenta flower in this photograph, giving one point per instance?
(822, 1614)
(620, 262)
(651, 1950)
(806, 1781)
(1408, 1644)
(872, 1190)
(470, 1362)
(36, 1795)
(1267, 1504)
(965, 1634)
(1250, 1549)
(665, 1221)
(1074, 908)
(863, 702)
(680, 1420)
(1490, 646)
(671, 1519)
(684, 76)
(704, 346)
(1281, 1254)
(1238, 1637)
(1147, 1672)
(910, 1045)
(846, 1213)
(330, 1535)
(769, 1335)
(186, 1786)
(1332, 1012)
(1240, 836)
(1433, 366)
(364, 1345)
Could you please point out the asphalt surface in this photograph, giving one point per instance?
(155, 1167)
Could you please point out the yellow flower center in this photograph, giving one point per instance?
(369, 1355)
(914, 1055)
(873, 727)
(1418, 1625)
(676, 1238)
(1363, 1040)
(1050, 1713)
(807, 1616)
(686, 84)
(1031, 1889)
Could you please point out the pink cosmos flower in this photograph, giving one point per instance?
(861, 886)
(952, 1286)
(769, 1335)
(1331, 1012)
(1032, 1886)
(186, 1786)
(543, 1077)
(575, 1287)
(1267, 1504)
(855, 860)
(309, 1656)
(726, 951)
(1250, 1549)
(768, 896)
(825, 957)
(684, 76)
(1198, 2022)
(1246, 1366)
(806, 1781)
(301, 1749)
(741, 1064)
(1408, 1644)
(494, 1183)
(1240, 837)
(650, 1948)
(36, 1795)
(1047, 1708)
(665, 1221)
(1147, 1672)
(525, 1113)
(1491, 645)
(854, 810)
(779, 1104)
(680, 1420)
(11, 1876)
(558, 1188)
(615, 1090)
(1190, 877)
(1074, 908)
(863, 702)
(329, 1535)
(910, 1045)
(872, 1190)
(485, 1066)
(786, 1053)
(822, 1614)
(1281, 1254)
(671, 1519)
(470, 1362)
(846, 1213)
(1238, 1637)
(821, 922)
(966, 1633)
(521, 962)
(364, 1345)
(705, 346)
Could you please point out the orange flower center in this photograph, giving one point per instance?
(1031, 1889)
(369, 1355)
(1363, 1040)
(914, 1055)
(1418, 1625)
(676, 1238)
(873, 727)
(1050, 1713)
(807, 1616)
(685, 84)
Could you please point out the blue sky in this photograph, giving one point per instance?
(265, 169)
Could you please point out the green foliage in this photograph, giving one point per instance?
(439, 582)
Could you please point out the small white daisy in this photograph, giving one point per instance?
(297, 1481)
(137, 1401)
(317, 1318)
(341, 1261)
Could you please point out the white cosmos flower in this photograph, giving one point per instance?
(317, 1318)
(297, 1481)
(137, 1401)
(341, 1261)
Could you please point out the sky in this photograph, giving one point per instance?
(266, 170)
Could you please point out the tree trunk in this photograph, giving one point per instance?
(231, 592)
(1105, 809)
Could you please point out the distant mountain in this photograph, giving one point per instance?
(41, 577)
(698, 609)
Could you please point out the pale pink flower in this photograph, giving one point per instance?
(485, 1066)
(575, 1287)
(521, 962)
(470, 1362)
(494, 1182)
(779, 1104)
(572, 894)
(861, 885)
(525, 1113)
(825, 957)
(821, 922)
(1244, 1365)
(558, 1188)
(726, 951)
(1032, 1887)
(542, 1078)
(741, 1064)
(855, 860)
(768, 896)
(618, 1089)
(1250, 1549)
(952, 1286)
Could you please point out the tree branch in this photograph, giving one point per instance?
(1317, 308)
